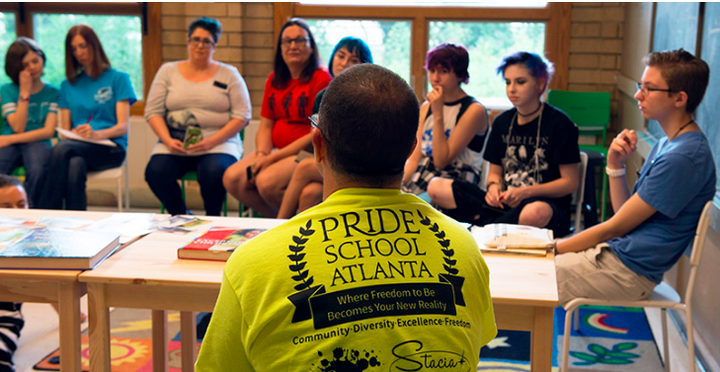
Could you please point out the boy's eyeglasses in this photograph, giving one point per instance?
(645, 90)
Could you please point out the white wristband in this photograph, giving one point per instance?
(615, 172)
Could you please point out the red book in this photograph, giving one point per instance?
(217, 244)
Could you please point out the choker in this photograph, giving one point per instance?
(532, 113)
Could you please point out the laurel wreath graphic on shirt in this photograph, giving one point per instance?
(444, 243)
(297, 256)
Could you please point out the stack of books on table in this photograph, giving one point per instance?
(514, 239)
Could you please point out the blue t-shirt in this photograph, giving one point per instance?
(97, 98)
(677, 180)
(41, 104)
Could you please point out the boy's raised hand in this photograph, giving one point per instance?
(621, 148)
(434, 97)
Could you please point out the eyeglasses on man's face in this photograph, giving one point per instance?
(196, 41)
(300, 41)
(645, 90)
(314, 122)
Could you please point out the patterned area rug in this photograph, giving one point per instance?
(608, 339)
(130, 344)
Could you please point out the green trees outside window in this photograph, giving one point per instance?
(487, 43)
(389, 41)
(120, 36)
(7, 36)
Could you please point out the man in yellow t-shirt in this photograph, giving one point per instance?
(371, 279)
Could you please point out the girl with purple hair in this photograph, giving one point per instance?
(452, 129)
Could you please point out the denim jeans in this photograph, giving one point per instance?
(34, 157)
(67, 172)
(164, 170)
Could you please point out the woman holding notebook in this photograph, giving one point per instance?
(196, 107)
(94, 103)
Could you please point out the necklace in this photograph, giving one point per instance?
(532, 113)
(537, 139)
(680, 130)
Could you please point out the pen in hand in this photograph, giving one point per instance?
(85, 130)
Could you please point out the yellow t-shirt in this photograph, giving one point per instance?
(370, 279)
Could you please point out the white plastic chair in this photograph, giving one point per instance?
(116, 174)
(578, 196)
(663, 296)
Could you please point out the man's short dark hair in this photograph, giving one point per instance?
(683, 72)
(369, 117)
(9, 181)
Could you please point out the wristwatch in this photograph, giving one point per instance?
(24, 98)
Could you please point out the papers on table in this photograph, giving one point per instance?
(65, 222)
(179, 224)
(128, 225)
(518, 239)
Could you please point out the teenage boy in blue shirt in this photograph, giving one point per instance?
(626, 256)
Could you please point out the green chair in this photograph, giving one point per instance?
(590, 111)
(192, 176)
(19, 172)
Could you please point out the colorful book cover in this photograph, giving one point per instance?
(218, 243)
(193, 135)
(59, 249)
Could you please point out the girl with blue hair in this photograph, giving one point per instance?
(305, 187)
(533, 154)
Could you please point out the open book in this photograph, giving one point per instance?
(217, 244)
(519, 239)
(70, 135)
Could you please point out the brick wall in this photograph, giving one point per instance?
(246, 43)
(595, 50)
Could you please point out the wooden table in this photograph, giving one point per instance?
(524, 296)
(148, 275)
(51, 286)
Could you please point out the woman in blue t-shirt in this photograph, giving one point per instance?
(95, 105)
(30, 112)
